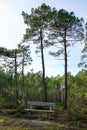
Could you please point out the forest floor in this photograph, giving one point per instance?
(59, 121)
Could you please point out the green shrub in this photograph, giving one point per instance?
(75, 115)
(84, 110)
(59, 106)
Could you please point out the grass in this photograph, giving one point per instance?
(9, 120)
(10, 123)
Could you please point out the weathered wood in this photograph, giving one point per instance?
(35, 110)
(49, 104)
(41, 103)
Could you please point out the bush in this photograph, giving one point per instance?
(59, 106)
(84, 110)
(76, 116)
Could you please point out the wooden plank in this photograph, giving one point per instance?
(35, 110)
(41, 103)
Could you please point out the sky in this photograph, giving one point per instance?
(12, 28)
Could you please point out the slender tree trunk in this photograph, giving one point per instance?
(23, 69)
(65, 77)
(43, 67)
(16, 82)
(23, 77)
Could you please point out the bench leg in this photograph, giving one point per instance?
(49, 115)
(30, 113)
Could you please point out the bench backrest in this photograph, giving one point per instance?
(41, 103)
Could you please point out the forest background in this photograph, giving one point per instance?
(17, 88)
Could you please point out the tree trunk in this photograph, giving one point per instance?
(65, 77)
(16, 82)
(23, 70)
(23, 77)
(43, 67)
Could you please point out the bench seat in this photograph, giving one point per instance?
(35, 110)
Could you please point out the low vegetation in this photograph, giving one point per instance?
(64, 120)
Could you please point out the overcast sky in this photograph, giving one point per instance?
(12, 28)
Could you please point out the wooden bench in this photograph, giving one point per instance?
(44, 105)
